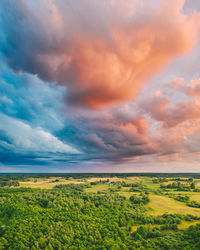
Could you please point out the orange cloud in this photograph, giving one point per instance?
(109, 71)
(102, 52)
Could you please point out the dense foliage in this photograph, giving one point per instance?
(67, 217)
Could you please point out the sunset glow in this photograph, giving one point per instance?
(97, 86)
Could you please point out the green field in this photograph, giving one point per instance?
(96, 188)
(161, 204)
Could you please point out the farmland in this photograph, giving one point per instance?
(99, 211)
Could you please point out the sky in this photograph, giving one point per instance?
(99, 86)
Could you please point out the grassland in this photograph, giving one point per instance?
(48, 183)
(194, 196)
(159, 205)
(96, 188)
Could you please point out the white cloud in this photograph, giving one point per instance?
(25, 138)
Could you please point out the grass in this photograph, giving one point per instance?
(96, 188)
(47, 183)
(194, 196)
(148, 182)
(186, 224)
(161, 204)
(126, 194)
(42, 185)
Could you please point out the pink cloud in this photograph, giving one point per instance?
(103, 54)
(108, 72)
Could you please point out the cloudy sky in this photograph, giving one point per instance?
(99, 86)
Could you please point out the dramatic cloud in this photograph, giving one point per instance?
(177, 129)
(102, 51)
(20, 137)
(161, 109)
(95, 84)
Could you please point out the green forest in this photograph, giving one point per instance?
(99, 211)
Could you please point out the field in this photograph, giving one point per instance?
(48, 183)
(161, 204)
(158, 205)
(79, 211)
(45, 183)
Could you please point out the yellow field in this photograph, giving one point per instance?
(47, 183)
(114, 179)
(194, 196)
(186, 224)
(161, 204)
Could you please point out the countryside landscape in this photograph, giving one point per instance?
(100, 211)
(99, 125)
